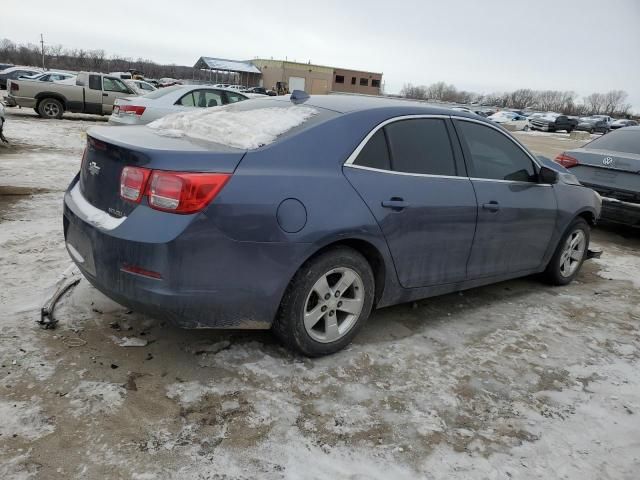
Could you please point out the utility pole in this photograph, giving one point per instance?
(42, 45)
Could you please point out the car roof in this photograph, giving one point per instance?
(353, 103)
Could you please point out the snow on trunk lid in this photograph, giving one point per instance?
(247, 129)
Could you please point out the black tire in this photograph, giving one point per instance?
(289, 324)
(591, 130)
(553, 273)
(50, 108)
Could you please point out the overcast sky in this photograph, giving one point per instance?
(484, 46)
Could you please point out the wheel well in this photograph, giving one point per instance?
(43, 96)
(589, 217)
(370, 253)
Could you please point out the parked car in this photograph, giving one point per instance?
(515, 120)
(178, 98)
(468, 110)
(91, 93)
(4, 66)
(606, 118)
(49, 76)
(121, 75)
(2, 139)
(610, 165)
(623, 123)
(552, 122)
(301, 214)
(13, 73)
(260, 91)
(592, 125)
(140, 87)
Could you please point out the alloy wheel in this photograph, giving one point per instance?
(333, 305)
(573, 253)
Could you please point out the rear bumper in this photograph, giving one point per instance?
(26, 102)
(208, 280)
(125, 120)
(614, 210)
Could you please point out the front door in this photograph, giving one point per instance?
(424, 203)
(516, 213)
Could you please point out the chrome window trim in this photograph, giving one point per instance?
(375, 129)
(393, 172)
(361, 145)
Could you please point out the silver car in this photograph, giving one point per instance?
(164, 101)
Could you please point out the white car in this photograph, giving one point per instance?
(50, 76)
(505, 117)
(164, 101)
(140, 86)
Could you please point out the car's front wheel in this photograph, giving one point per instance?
(326, 303)
(570, 254)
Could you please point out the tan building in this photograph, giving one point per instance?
(317, 79)
(356, 81)
(313, 79)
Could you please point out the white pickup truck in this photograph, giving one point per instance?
(90, 93)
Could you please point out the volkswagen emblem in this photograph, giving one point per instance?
(94, 169)
(607, 161)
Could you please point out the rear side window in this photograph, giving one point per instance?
(375, 153)
(187, 100)
(493, 155)
(627, 141)
(95, 82)
(421, 146)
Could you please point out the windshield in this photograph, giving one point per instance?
(627, 141)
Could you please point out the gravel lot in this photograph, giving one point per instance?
(515, 380)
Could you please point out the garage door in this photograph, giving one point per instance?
(319, 86)
(296, 83)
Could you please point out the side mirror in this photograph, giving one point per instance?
(547, 175)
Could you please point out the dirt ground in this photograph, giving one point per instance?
(514, 380)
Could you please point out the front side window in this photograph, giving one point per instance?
(421, 146)
(114, 85)
(375, 153)
(493, 155)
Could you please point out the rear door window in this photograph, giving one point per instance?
(213, 98)
(187, 100)
(421, 146)
(375, 153)
(493, 155)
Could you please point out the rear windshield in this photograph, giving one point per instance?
(161, 92)
(627, 141)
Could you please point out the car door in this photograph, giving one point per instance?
(516, 214)
(113, 88)
(411, 176)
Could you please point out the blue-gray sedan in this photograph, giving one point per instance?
(302, 214)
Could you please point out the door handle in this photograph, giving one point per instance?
(105, 94)
(492, 206)
(395, 203)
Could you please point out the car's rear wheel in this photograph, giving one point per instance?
(570, 254)
(526, 128)
(326, 303)
(50, 108)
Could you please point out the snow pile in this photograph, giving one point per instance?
(620, 267)
(241, 129)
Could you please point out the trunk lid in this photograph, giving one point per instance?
(613, 174)
(110, 149)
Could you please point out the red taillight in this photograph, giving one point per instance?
(179, 192)
(14, 87)
(131, 109)
(567, 161)
(132, 183)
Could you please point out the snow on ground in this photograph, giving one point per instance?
(515, 380)
(241, 129)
